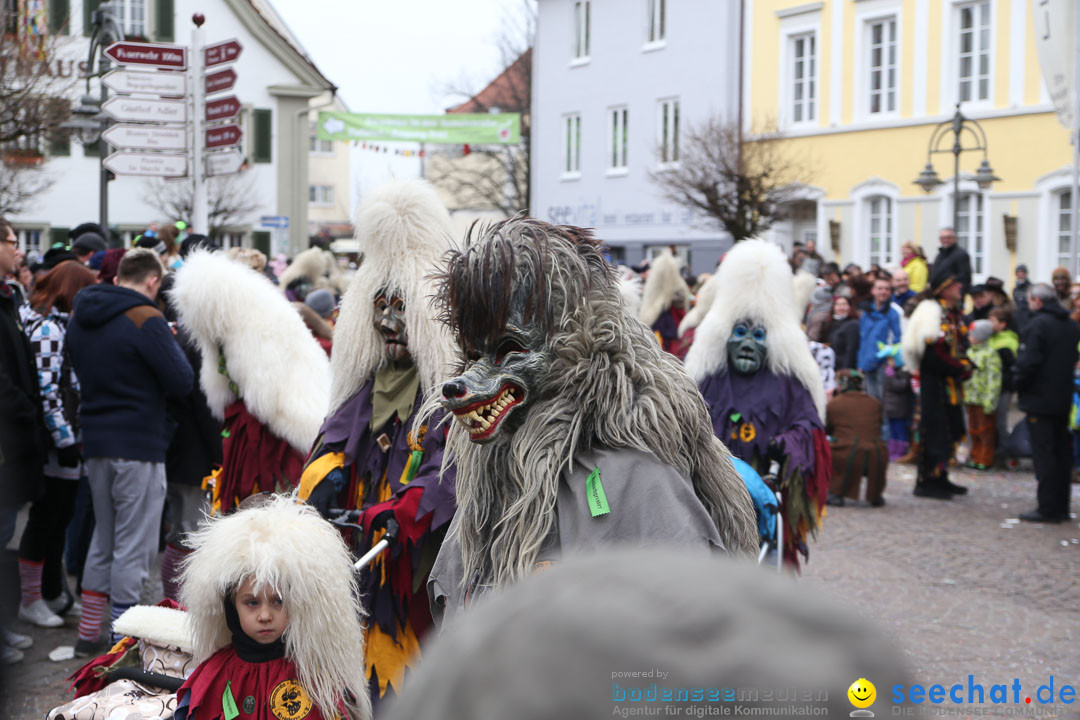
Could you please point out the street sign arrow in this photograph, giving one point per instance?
(221, 52)
(124, 80)
(160, 55)
(224, 109)
(129, 109)
(150, 164)
(223, 136)
(220, 80)
(225, 162)
(146, 137)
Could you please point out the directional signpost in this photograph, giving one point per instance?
(220, 81)
(130, 109)
(223, 136)
(226, 162)
(127, 82)
(224, 109)
(221, 52)
(147, 137)
(173, 57)
(152, 164)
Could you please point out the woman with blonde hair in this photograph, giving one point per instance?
(914, 264)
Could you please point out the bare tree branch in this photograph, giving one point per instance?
(231, 199)
(741, 185)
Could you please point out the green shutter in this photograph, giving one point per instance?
(93, 149)
(89, 6)
(260, 240)
(60, 145)
(163, 10)
(263, 145)
(58, 235)
(58, 16)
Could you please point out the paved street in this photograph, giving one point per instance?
(957, 591)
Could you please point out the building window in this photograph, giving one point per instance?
(618, 124)
(572, 164)
(262, 145)
(232, 240)
(880, 227)
(581, 29)
(657, 20)
(803, 77)
(30, 239)
(973, 70)
(882, 66)
(316, 145)
(969, 230)
(1064, 212)
(321, 194)
(131, 14)
(669, 131)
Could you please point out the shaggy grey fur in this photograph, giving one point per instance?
(607, 384)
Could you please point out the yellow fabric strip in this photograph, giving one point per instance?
(318, 469)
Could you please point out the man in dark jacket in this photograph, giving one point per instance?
(1043, 374)
(1020, 296)
(951, 261)
(127, 361)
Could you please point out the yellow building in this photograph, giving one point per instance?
(859, 85)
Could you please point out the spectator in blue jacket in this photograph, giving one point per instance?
(127, 362)
(880, 323)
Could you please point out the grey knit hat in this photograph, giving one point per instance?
(981, 330)
(321, 301)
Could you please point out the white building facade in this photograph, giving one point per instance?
(616, 83)
(277, 85)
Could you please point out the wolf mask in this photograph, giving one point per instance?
(555, 365)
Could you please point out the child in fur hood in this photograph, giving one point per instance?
(275, 618)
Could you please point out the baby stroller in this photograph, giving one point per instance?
(766, 506)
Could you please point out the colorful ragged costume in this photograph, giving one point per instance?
(664, 302)
(763, 388)
(371, 453)
(263, 373)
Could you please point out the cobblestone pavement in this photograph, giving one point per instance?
(957, 587)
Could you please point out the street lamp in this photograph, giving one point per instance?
(928, 179)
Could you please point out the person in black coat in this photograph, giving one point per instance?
(1043, 375)
(951, 261)
(844, 333)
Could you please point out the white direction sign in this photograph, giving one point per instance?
(151, 164)
(147, 137)
(127, 81)
(224, 163)
(129, 109)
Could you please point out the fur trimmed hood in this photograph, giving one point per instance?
(319, 267)
(663, 284)
(282, 373)
(405, 230)
(285, 545)
(923, 326)
(754, 281)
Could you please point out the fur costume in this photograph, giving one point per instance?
(774, 409)
(286, 546)
(560, 381)
(702, 302)
(631, 288)
(316, 267)
(388, 464)
(263, 373)
(664, 301)
(803, 285)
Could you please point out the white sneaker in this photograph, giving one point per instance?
(38, 613)
(15, 640)
(62, 604)
(10, 655)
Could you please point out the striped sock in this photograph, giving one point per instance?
(30, 579)
(171, 560)
(117, 611)
(93, 609)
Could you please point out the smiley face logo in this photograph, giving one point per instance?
(862, 693)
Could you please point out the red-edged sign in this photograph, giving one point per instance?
(224, 109)
(220, 80)
(223, 136)
(222, 52)
(159, 55)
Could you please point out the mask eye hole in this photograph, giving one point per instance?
(399, 305)
(739, 332)
(380, 304)
(759, 335)
(506, 347)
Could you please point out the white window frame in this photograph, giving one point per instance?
(882, 210)
(1060, 216)
(655, 24)
(864, 194)
(581, 32)
(790, 35)
(950, 86)
(975, 239)
(321, 195)
(668, 121)
(32, 238)
(124, 14)
(571, 155)
(618, 142)
(945, 219)
(233, 240)
(317, 146)
(870, 13)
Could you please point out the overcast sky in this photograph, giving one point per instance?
(398, 56)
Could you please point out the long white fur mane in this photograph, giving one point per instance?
(923, 326)
(663, 284)
(755, 282)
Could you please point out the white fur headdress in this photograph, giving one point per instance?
(702, 302)
(663, 284)
(754, 281)
(284, 545)
(405, 230)
(804, 285)
(630, 287)
(922, 327)
(317, 266)
(282, 373)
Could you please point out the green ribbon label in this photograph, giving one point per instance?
(736, 417)
(228, 703)
(595, 490)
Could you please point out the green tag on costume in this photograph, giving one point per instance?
(228, 703)
(415, 459)
(736, 417)
(595, 490)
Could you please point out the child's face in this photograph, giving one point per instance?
(996, 325)
(263, 616)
